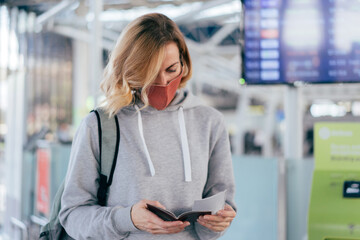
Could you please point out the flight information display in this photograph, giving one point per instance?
(316, 41)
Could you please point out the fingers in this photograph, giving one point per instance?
(227, 212)
(151, 221)
(163, 231)
(159, 223)
(213, 225)
(216, 218)
(220, 221)
(228, 207)
(166, 228)
(145, 220)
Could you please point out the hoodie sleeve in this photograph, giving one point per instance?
(80, 214)
(220, 175)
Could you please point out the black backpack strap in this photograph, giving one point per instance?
(109, 148)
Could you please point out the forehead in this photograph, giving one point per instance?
(171, 53)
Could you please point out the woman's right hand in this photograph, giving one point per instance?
(147, 221)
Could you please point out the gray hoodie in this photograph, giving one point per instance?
(173, 156)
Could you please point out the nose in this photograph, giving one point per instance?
(161, 79)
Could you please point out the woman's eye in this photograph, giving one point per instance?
(171, 70)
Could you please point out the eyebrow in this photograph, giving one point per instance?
(171, 65)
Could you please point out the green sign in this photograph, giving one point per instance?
(334, 211)
(337, 146)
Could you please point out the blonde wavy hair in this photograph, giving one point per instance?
(137, 57)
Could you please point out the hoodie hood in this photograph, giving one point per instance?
(183, 98)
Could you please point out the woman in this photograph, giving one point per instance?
(172, 151)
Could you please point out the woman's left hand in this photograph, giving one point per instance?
(220, 221)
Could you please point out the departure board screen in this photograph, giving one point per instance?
(316, 41)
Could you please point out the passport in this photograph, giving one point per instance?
(166, 215)
(201, 207)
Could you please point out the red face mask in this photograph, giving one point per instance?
(161, 96)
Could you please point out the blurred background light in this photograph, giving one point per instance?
(322, 109)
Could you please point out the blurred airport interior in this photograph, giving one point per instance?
(274, 68)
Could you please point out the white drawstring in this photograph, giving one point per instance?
(185, 146)
(151, 165)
